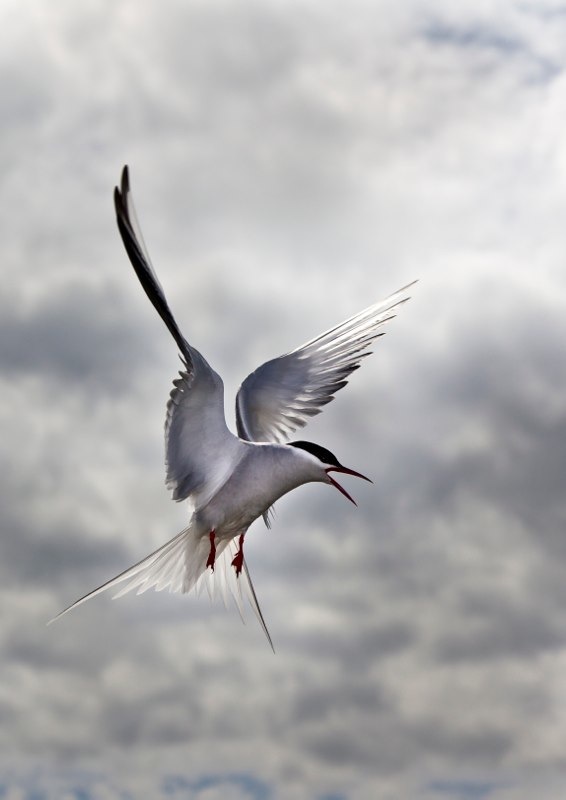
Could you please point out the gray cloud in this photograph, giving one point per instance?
(288, 169)
(80, 336)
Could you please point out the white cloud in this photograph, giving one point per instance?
(290, 163)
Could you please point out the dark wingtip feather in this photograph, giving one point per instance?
(121, 192)
(118, 202)
(125, 181)
(133, 242)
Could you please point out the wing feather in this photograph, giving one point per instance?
(282, 394)
(200, 450)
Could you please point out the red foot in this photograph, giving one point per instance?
(238, 559)
(212, 555)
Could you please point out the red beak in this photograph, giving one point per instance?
(345, 471)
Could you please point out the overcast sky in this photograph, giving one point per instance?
(291, 162)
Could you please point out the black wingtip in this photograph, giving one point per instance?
(125, 181)
(118, 201)
(121, 191)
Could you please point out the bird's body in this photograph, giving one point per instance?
(229, 481)
(247, 494)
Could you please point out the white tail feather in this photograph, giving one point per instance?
(180, 566)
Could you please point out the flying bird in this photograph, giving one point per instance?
(229, 481)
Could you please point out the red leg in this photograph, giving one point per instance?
(212, 555)
(238, 559)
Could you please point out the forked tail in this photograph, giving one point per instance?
(180, 566)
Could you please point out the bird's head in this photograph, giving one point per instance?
(329, 463)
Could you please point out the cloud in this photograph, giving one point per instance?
(73, 337)
(289, 165)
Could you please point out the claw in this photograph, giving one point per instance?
(212, 555)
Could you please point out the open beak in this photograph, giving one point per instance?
(345, 471)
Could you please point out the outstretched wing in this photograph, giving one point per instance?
(283, 393)
(200, 450)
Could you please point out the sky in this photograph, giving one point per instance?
(291, 163)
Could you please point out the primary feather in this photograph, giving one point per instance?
(282, 394)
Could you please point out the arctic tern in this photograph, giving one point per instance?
(229, 481)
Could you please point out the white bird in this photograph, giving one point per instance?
(230, 481)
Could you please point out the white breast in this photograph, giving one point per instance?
(263, 475)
